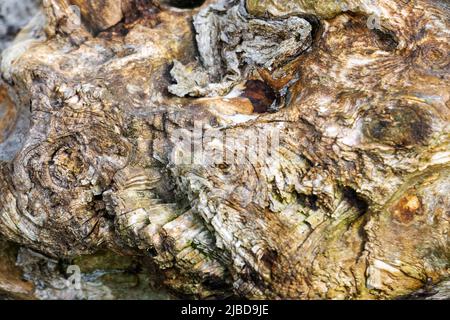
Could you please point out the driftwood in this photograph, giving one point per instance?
(259, 149)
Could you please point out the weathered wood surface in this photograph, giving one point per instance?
(98, 115)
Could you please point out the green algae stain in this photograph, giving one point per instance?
(324, 9)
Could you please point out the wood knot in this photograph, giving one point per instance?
(407, 208)
(399, 126)
(8, 114)
(432, 58)
(67, 165)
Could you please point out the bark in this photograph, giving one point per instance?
(103, 118)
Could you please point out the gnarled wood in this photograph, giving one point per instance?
(350, 199)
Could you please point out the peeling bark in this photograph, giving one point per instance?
(349, 201)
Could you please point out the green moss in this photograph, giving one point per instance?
(121, 280)
(126, 277)
(104, 260)
(325, 9)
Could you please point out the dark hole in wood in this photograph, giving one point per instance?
(260, 94)
(386, 40)
(355, 200)
(185, 4)
(152, 252)
(309, 201)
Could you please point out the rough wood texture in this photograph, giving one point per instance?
(351, 203)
